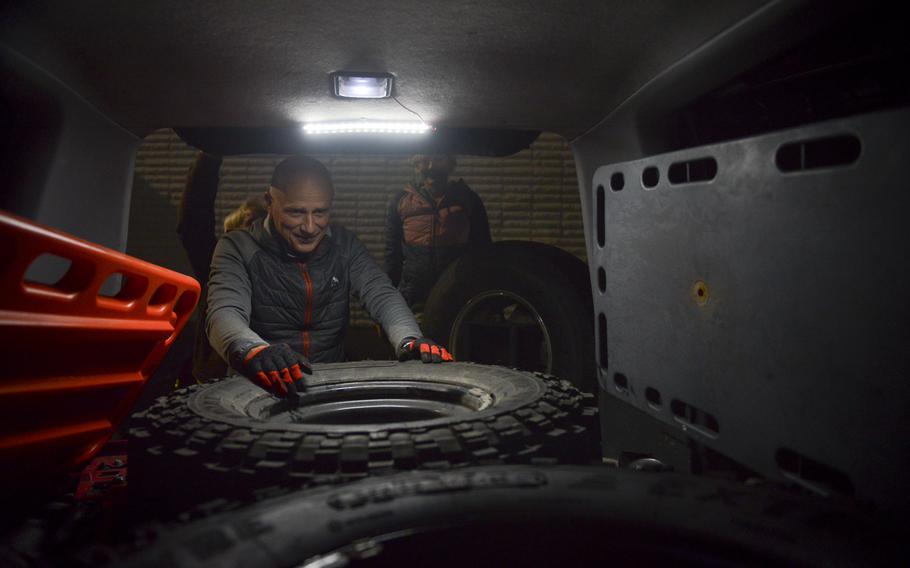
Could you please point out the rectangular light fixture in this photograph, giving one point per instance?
(351, 85)
(367, 127)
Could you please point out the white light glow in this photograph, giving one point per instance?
(352, 86)
(367, 127)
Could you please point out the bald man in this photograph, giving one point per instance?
(279, 291)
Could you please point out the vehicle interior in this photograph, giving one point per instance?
(734, 168)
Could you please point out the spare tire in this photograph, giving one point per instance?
(229, 438)
(519, 304)
(531, 516)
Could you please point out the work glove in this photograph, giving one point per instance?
(276, 368)
(424, 349)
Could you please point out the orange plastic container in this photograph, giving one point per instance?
(73, 360)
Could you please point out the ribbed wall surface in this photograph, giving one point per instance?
(532, 195)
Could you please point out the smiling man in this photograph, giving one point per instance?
(279, 291)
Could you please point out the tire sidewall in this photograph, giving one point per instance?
(751, 522)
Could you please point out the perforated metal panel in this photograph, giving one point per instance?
(764, 313)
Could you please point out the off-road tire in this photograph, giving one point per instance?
(220, 440)
(553, 282)
(530, 516)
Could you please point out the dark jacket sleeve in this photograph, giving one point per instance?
(227, 322)
(394, 233)
(381, 300)
(480, 225)
(196, 216)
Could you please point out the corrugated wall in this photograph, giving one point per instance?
(532, 195)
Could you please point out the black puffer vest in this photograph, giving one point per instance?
(305, 304)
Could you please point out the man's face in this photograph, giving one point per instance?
(301, 214)
(433, 170)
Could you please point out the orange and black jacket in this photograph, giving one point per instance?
(424, 235)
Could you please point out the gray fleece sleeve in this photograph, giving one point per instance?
(382, 300)
(227, 321)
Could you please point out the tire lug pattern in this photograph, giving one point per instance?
(227, 458)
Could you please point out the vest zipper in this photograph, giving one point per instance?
(433, 243)
(308, 312)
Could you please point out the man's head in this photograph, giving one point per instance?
(433, 170)
(242, 217)
(299, 200)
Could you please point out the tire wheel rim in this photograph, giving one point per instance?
(457, 392)
(365, 402)
(499, 314)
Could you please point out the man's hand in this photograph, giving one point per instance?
(424, 349)
(276, 368)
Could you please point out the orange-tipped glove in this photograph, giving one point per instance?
(424, 349)
(277, 369)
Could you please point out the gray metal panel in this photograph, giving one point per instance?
(83, 186)
(803, 342)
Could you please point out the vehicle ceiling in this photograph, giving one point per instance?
(536, 65)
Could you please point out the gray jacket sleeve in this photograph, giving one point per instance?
(382, 300)
(227, 322)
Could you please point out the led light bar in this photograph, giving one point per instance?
(363, 85)
(367, 127)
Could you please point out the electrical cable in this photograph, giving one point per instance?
(409, 110)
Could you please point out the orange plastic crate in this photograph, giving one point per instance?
(72, 360)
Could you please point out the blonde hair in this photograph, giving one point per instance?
(242, 217)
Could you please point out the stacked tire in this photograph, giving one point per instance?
(490, 516)
(231, 440)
